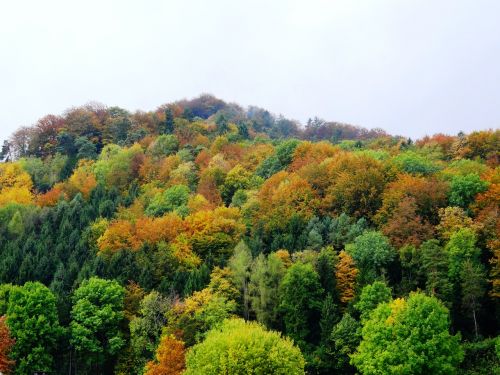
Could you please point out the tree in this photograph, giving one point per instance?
(146, 329)
(174, 198)
(240, 264)
(451, 219)
(356, 183)
(168, 125)
(170, 358)
(463, 189)
(495, 269)
(435, 265)
(163, 146)
(344, 229)
(86, 148)
(240, 348)
(265, 279)
(408, 336)
(372, 253)
(460, 247)
(96, 314)
(300, 302)
(371, 296)
(33, 323)
(325, 267)
(345, 338)
(413, 163)
(236, 179)
(222, 124)
(6, 344)
(405, 226)
(346, 274)
(473, 288)
(281, 158)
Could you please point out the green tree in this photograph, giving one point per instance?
(98, 310)
(411, 268)
(463, 189)
(300, 302)
(86, 148)
(345, 338)
(168, 125)
(462, 246)
(371, 296)
(372, 253)
(344, 229)
(16, 225)
(265, 279)
(411, 162)
(5, 290)
(435, 265)
(174, 198)
(408, 336)
(281, 158)
(146, 329)
(240, 264)
(222, 124)
(325, 267)
(473, 288)
(236, 179)
(163, 146)
(240, 348)
(33, 322)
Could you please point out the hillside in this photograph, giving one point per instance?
(135, 243)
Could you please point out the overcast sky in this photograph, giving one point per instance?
(409, 67)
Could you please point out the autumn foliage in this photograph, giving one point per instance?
(170, 358)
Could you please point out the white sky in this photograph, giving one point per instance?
(411, 67)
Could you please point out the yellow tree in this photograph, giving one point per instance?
(346, 274)
(170, 358)
(15, 184)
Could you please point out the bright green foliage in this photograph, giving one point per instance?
(96, 317)
(236, 179)
(462, 246)
(33, 322)
(174, 198)
(241, 348)
(163, 146)
(113, 167)
(4, 297)
(44, 173)
(411, 162)
(265, 279)
(371, 296)
(372, 253)
(300, 293)
(408, 337)
(463, 189)
(240, 264)
(16, 226)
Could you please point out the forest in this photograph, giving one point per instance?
(207, 238)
